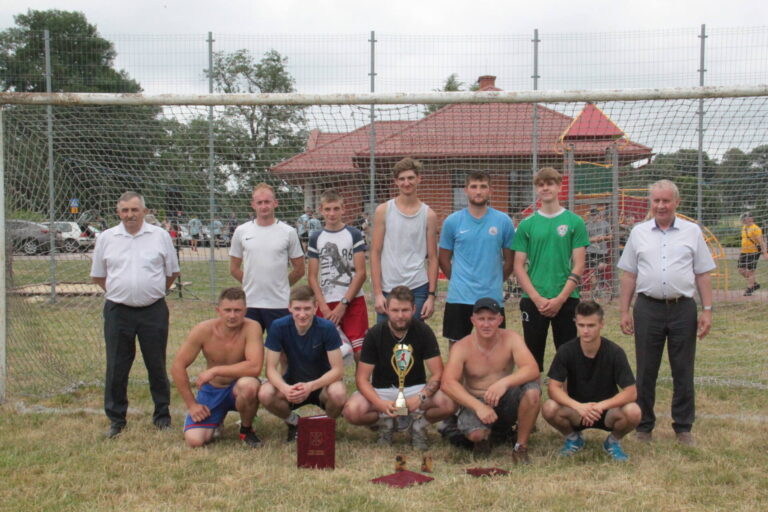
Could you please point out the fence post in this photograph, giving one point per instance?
(613, 154)
(372, 139)
(700, 168)
(570, 171)
(51, 189)
(535, 136)
(3, 290)
(211, 179)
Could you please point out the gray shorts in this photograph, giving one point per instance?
(506, 411)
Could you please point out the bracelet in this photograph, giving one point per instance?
(432, 294)
(707, 308)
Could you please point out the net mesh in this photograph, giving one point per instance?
(188, 167)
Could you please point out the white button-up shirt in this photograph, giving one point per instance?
(136, 266)
(666, 261)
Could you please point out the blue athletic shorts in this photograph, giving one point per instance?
(218, 400)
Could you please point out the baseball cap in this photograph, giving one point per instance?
(745, 215)
(488, 303)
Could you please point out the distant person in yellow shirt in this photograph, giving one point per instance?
(752, 245)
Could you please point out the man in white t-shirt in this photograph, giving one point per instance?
(259, 256)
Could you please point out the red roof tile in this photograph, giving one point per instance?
(592, 123)
(335, 152)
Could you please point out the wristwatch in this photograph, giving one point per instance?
(422, 397)
(707, 308)
(344, 301)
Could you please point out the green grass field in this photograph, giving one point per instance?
(53, 455)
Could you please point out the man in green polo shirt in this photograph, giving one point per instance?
(553, 242)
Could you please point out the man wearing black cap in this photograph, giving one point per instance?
(494, 377)
(752, 244)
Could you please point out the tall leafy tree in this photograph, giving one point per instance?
(81, 60)
(99, 151)
(252, 138)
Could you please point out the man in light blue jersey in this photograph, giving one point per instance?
(475, 255)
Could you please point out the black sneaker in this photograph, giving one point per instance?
(756, 287)
(249, 438)
(291, 437)
(482, 448)
(163, 423)
(748, 291)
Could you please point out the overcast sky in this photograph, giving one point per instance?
(397, 16)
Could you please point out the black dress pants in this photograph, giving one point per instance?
(122, 325)
(675, 324)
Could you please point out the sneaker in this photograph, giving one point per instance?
(521, 455)
(419, 435)
(249, 438)
(614, 450)
(571, 446)
(748, 292)
(291, 436)
(756, 287)
(386, 428)
(482, 448)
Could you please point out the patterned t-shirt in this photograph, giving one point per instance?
(336, 251)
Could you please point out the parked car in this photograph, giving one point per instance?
(30, 238)
(75, 238)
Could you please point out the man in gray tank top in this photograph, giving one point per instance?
(404, 246)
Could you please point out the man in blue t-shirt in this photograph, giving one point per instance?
(315, 366)
(475, 255)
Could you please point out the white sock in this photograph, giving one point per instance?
(610, 439)
(573, 436)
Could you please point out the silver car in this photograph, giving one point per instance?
(30, 238)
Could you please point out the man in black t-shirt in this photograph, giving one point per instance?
(377, 383)
(594, 369)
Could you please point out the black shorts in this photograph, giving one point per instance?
(457, 321)
(312, 399)
(748, 261)
(598, 424)
(304, 238)
(265, 316)
(594, 259)
(195, 237)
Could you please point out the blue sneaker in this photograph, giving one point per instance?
(571, 446)
(615, 451)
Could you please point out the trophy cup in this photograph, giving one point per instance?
(402, 362)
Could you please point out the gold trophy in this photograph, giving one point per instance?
(402, 362)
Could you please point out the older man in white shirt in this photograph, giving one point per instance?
(135, 263)
(665, 261)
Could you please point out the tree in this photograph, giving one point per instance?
(97, 150)
(81, 60)
(452, 84)
(252, 138)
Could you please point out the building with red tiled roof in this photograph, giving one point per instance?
(455, 139)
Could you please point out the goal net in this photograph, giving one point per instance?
(201, 161)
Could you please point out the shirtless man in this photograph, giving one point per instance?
(232, 346)
(500, 381)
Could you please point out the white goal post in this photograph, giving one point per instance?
(713, 140)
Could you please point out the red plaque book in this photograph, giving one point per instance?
(316, 442)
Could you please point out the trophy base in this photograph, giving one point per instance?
(401, 411)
